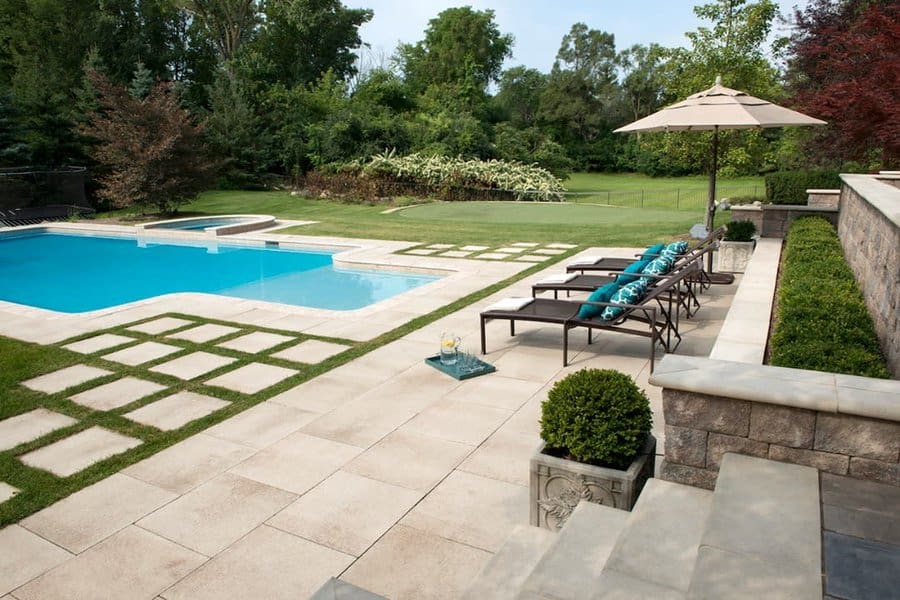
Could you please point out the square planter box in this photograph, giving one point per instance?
(733, 257)
(558, 485)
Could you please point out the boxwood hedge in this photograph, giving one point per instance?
(789, 187)
(822, 322)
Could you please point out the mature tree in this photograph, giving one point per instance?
(844, 67)
(643, 89)
(228, 23)
(590, 53)
(519, 95)
(14, 150)
(154, 153)
(531, 146)
(305, 38)
(461, 46)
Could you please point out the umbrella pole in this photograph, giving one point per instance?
(711, 201)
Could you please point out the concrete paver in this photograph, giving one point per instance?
(7, 491)
(346, 512)
(257, 341)
(186, 465)
(262, 425)
(311, 351)
(24, 556)
(116, 393)
(79, 451)
(445, 420)
(434, 568)
(160, 325)
(251, 378)
(142, 353)
(505, 456)
(193, 365)
(324, 393)
(277, 465)
(97, 512)
(410, 460)
(176, 410)
(58, 381)
(133, 563)
(98, 343)
(204, 333)
(213, 516)
(267, 563)
(30, 426)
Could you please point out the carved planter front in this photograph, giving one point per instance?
(733, 257)
(558, 485)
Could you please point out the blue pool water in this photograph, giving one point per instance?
(75, 273)
(196, 225)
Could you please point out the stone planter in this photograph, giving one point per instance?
(733, 257)
(557, 485)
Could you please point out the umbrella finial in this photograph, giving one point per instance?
(718, 80)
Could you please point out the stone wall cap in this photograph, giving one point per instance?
(747, 207)
(823, 191)
(798, 388)
(882, 196)
(798, 208)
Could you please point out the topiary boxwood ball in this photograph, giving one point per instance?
(596, 416)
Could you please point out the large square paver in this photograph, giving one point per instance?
(217, 514)
(96, 512)
(30, 426)
(346, 512)
(410, 460)
(7, 491)
(252, 378)
(297, 463)
(58, 381)
(433, 568)
(268, 563)
(24, 556)
(458, 422)
(142, 353)
(472, 510)
(176, 410)
(204, 333)
(160, 325)
(131, 564)
(262, 425)
(193, 365)
(311, 351)
(116, 393)
(506, 456)
(79, 451)
(98, 343)
(184, 466)
(256, 342)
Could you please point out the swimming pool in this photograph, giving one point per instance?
(78, 273)
(215, 225)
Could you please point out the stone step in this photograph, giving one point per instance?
(763, 535)
(655, 554)
(570, 567)
(504, 574)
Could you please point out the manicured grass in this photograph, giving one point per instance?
(487, 223)
(822, 322)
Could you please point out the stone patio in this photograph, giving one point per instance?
(117, 393)
(193, 365)
(79, 451)
(204, 333)
(142, 353)
(311, 351)
(30, 426)
(175, 411)
(63, 379)
(380, 462)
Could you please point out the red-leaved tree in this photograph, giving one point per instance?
(152, 153)
(844, 67)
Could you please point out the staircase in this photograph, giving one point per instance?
(757, 536)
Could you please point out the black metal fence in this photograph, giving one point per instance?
(670, 199)
(35, 194)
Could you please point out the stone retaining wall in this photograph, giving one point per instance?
(869, 228)
(777, 218)
(823, 198)
(836, 423)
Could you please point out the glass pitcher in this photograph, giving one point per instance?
(449, 349)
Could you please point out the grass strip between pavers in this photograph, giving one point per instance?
(20, 361)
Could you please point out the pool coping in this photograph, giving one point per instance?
(460, 277)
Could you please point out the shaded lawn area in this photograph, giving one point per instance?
(488, 223)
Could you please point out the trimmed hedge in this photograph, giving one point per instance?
(822, 322)
(789, 187)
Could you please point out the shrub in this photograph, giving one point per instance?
(789, 187)
(822, 322)
(596, 416)
(740, 231)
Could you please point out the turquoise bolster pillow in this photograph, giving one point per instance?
(627, 294)
(601, 294)
(653, 251)
(634, 268)
(659, 266)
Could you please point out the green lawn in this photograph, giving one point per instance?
(488, 223)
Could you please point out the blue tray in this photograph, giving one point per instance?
(453, 370)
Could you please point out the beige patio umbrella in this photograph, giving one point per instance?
(717, 108)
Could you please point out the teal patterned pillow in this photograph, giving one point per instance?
(675, 249)
(601, 294)
(634, 268)
(659, 266)
(627, 294)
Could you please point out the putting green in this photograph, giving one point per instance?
(549, 213)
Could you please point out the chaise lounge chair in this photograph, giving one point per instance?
(652, 317)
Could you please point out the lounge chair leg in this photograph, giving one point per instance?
(565, 346)
(590, 336)
(512, 327)
(483, 348)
